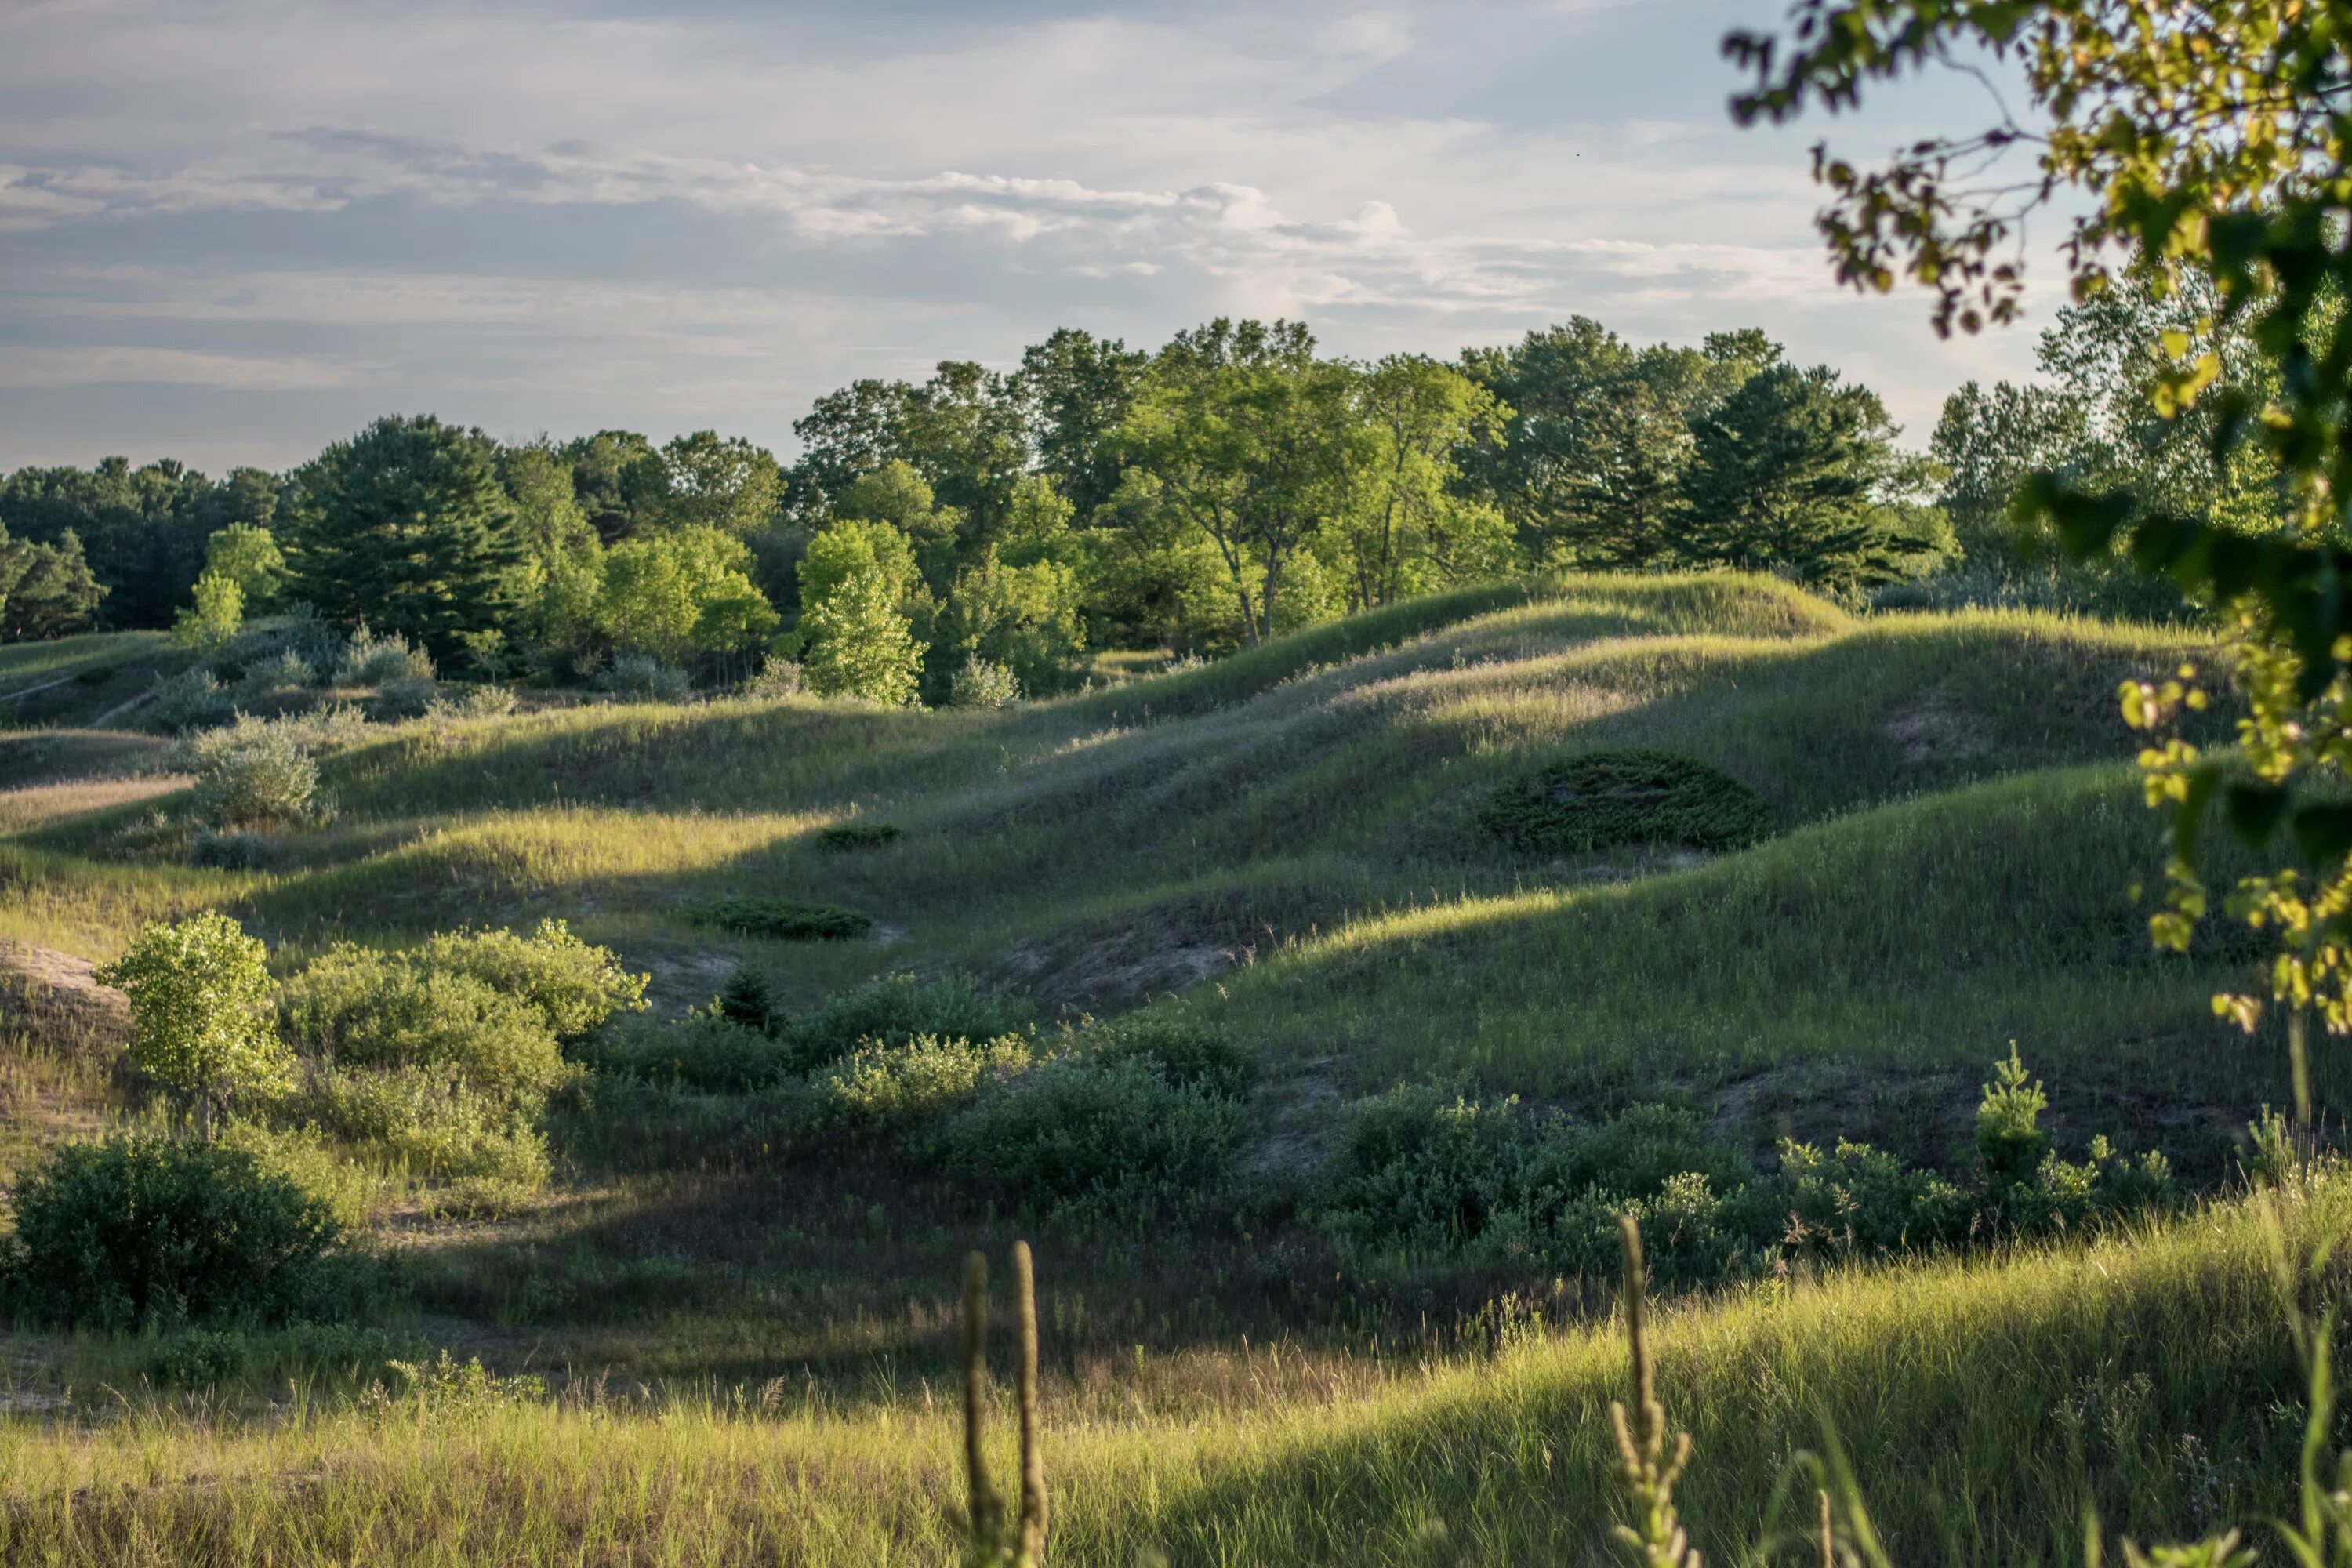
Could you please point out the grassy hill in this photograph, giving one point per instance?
(1285, 846)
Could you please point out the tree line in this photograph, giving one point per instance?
(1231, 485)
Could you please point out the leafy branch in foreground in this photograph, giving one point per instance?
(2212, 142)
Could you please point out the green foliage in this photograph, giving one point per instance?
(859, 643)
(708, 1049)
(405, 526)
(681, 593)
(1188, 1052)
(248, 555)
(381, 659)
(1079, 1139)
(46, 590)
(1021, 620)
(1596, 799)
(1798, 470)
(188, 701)
(858, 834)
(1857, 1200)
(216, 615)
(895, 1010)
(2009, 1140)
(881, 1089)
(642, 678)
(139, 534)
(782, 920)
(985, 685)
(200, 993)
(263, 777)
(136, 1230)
(441, 1057)
(749, 998)
(778, 678)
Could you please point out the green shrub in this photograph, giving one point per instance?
(894, 1011)
(366, 1009)
(891, 1088)
(784, 920)
(371, 660)
(983, 683)
(641, 678)
(1079, 1139)
(427, 1121)
(1861, 1200)
(405, 697)
(232, 851)
(2009, 1140)
(749, 998)
(574, 986)
(704, 1050)
(262, 780)
(779, 678)
(139, 1230)
(188, 701)
(1187, 1053)
(284, 670)
(1596, 799)
(856, 835)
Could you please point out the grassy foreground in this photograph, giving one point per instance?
(1983, 1404)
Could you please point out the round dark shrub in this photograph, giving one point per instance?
(1595, 800)
(140, 1230)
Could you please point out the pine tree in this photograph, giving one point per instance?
(406, 526)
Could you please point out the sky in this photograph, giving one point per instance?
(232, 231)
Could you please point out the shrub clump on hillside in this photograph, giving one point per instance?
(1598, 800)
(140, 1231)
(1424, 1172)
(442, 1057)
(369, 659)
(641, 678)
(784, 920)
(188, 701)
(265, 779)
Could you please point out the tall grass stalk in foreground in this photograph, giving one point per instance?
(2320, 1536)
(990, 1544)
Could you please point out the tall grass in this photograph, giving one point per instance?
(1983, 1404)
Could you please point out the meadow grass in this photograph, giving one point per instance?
(1985, 1403)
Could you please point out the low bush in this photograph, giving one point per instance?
(784, 920)
(574, 986)
(879, 1088)
(441, 1059)
(1598, 800)
(983, 683)
(858, 834)
(779, 678)
(895, 1010)
(261, 778)
(379, 661)
(404, 698)
(1080, 1140)
(641, 678)
(1191, 1054)
(188, 701)
(704, 1050)
(139, 1230)
(282, 672)
(487, 701)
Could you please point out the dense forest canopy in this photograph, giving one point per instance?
(1231, 486)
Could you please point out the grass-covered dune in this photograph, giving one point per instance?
(746, 1326)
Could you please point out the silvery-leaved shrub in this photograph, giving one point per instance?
(406, 697)
(641, 678)
(188, 701)
(373, 660)
(983, 683)
(263, 777)
(779, 678)
(284, 670)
